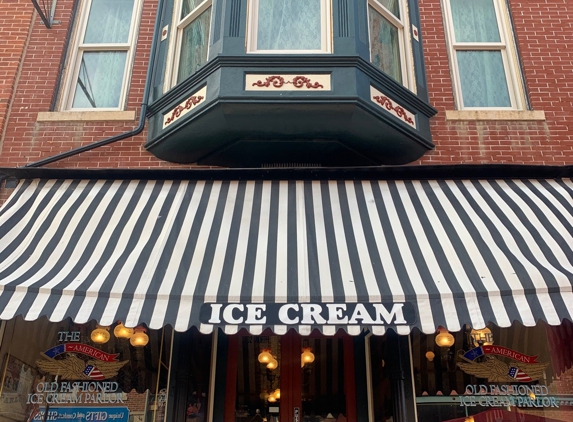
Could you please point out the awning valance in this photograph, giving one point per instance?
(183, 252)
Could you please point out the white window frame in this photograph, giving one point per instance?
(506, 46)
(175, 40)
(78, 48)
(325, 30)
(405, 41)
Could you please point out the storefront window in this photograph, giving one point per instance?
(279, 378)
(70, 372)
(381, 393)
(521, 374)
(323, 384)
(190, 386)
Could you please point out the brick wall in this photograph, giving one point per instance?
(544, 35)
(543, 30)
(15, 18)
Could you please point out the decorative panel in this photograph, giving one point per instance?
(282, 82)
(185, 107)
(392, 107)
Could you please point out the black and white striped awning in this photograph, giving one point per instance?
(156, 251)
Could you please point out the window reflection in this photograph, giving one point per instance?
(496, 374)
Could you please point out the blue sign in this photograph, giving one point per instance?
(84, 414)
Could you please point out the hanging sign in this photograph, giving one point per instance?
(362, 314)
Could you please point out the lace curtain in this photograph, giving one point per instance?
(289, 25)
(194, 43)
(482, 73)
(100, 76)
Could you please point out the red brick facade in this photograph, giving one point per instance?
(29, 80)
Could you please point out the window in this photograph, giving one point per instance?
(387, 22)
(193, 23)
(481, 53)
(103, 55)
(289, 26)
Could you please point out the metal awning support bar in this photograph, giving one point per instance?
(46, 14)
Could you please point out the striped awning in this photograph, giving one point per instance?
(154, 252)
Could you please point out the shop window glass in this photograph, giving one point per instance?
(259, 379)
(323, 384)
(81, 372)
(380, 388)
(304, 373)
(190, 377)
(516, 374)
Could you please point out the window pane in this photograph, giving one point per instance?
(385, 45)
(258, 379)
(474, 21)
(189, 6)
(289, 25)
(109, 21)
(323, 386)
(100, 79)
(480, 378)
(194, 45)
(392, 5)
(483, 79)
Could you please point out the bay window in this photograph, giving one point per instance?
(289, 26)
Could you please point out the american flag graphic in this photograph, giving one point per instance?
(518, 374)
(92, 372)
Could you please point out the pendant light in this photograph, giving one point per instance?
(139, 338)
(100, 335)
(444, 338)
(265, 356)
(121, 331)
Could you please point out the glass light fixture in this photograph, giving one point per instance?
(264, 395)
(273, 364)
(139, 338)
(430, 355)
(100, 335)
(307, 355)
(277, 394)
(121, 331)
(444, 338)
(482, 337)
(265, 356)
(271, 399)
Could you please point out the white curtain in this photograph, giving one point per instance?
(100, 76)
(482, 73)
(289, 25)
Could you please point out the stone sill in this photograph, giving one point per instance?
(513, 115)
(85, 116)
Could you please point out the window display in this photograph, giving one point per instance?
(500, 374)
(80, 372)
